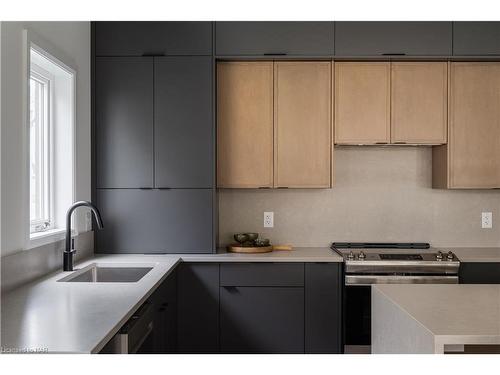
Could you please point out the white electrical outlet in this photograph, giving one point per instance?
(487, 220)
(268, 219)
(88, 221)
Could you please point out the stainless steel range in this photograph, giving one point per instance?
(396, 263)
(385, 263)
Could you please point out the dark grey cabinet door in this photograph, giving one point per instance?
(184, 133)
(479, 273)
(134, 38)
(476, 38)
(323, 308)
(261, 320)
(155, 221)
(124, 122)
(164, 299)
(380, 38)
(198, 308)
(274, 38)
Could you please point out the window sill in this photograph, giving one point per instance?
(46, 237)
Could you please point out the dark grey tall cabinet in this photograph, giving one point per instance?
(153, 133)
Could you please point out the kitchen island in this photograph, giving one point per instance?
(435, 318)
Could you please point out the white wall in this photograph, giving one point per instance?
(72, 39)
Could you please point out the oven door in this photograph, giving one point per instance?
(361, 279)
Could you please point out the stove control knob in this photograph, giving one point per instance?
(350, 256)
(439, 255)
(361, 255)
(449, 256)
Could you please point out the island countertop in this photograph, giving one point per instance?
(434, 318)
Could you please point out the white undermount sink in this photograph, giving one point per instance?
(108, 273)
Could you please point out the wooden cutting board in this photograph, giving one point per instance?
(249, 250)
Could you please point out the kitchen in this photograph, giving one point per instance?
(250, 187)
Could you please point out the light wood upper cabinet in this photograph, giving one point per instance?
(302, 124)
(419, 102)
(362, 102)
(244, 124)
(472, 157)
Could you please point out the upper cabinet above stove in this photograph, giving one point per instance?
(274, 38)
(393, 38)
(153, 38)
(476, 38)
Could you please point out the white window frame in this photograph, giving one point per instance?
(47, 79)
(32, 40)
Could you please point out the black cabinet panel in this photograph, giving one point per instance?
(153, 38)
(476, 38)
(261, 320)
(183, 122)
(164, 299)
(124, 122)
(198, 308)
(379, 38)
(323, 308)
(479, 273)
(262, 274)
(155, 221)
(260, 38)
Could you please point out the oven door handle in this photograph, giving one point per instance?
(363, 280)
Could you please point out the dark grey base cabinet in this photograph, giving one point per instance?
(274, 38)
(259, 308)
(323, 308)
(262, 320)
(393, 38)
(155, 221)
(164, 299)
(198, 308)
(479, 273)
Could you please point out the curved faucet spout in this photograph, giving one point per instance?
(68, 252)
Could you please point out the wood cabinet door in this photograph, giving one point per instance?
(362, 102)
(419, 102)
(302, 124)
(474, 138)
(245, 124)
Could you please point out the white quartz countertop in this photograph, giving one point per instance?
(476, 254)
(60, 317)
(431, 318)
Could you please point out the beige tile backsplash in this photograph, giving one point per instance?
(380, 194)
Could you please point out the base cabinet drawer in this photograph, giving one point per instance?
(262, 274)
(261, 320)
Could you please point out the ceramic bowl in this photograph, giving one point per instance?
(252, 236)
(241, 237)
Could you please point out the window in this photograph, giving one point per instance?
(50, 123)
(40, 132)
